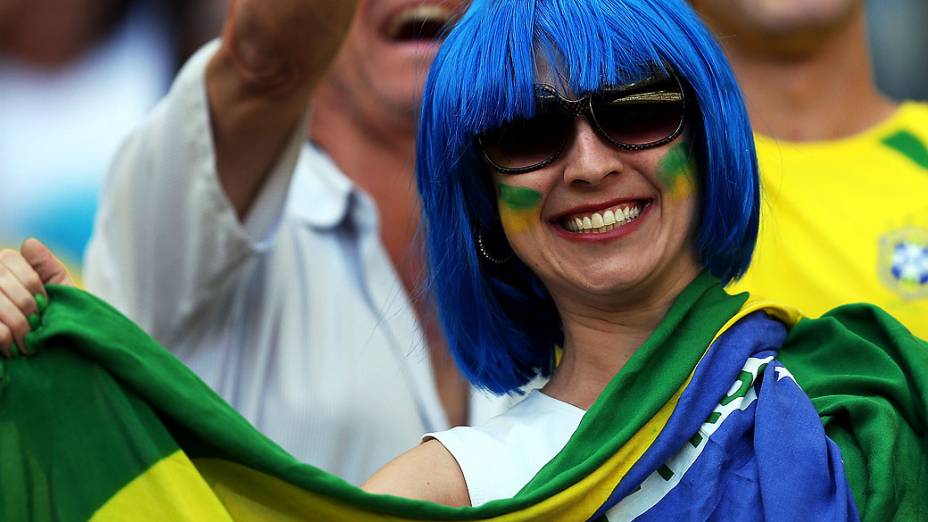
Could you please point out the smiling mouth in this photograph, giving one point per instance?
(422, 23)
(605, 220)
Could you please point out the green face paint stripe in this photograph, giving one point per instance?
(519, 198)
(909, 146)
(677, 162)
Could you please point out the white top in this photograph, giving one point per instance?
(296, 318)
(499, 457)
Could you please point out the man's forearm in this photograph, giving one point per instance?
(251, 127)
(272, 57)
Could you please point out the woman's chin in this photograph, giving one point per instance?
(606, 283)
(621, 282)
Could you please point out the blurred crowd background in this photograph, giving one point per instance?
(77, 75)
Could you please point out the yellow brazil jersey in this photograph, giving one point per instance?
(847, 221)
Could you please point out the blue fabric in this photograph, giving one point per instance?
(768, 459)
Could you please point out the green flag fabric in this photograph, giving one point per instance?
(105, 424)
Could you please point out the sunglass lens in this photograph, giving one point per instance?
(525, 143)
(640, 122)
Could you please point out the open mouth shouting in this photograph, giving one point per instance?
(418, 24)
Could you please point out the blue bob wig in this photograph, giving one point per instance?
(501, 324)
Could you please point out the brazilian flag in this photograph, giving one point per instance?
(734, 409)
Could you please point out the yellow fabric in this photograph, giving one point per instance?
(831, 213)
(251, 495)
(216, 489)
(587, 495)
(172, 489)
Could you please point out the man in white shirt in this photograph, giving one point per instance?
(282, 271)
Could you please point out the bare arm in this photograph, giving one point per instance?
(272, 57)
(427, 472)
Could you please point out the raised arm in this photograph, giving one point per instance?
(195, 194)
(272, 56)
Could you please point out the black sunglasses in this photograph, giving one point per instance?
(636, 116)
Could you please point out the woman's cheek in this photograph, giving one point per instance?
(519, 208)
(677, 171)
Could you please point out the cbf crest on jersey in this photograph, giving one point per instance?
(903, 259)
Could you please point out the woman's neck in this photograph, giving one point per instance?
(599, 340)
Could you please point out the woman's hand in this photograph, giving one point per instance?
(23, 276)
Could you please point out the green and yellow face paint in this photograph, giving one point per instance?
(519, 207)
(677, 171)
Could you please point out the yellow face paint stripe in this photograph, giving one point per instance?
(677, 171)
(518, 207)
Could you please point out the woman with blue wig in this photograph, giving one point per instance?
(589, 185)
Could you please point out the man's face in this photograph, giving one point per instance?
(388, 51)
(776, 24)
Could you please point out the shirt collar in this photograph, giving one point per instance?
(320, 193)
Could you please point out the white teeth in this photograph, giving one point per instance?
(609, 217)
(602, 222)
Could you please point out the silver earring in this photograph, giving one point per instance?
(485, 253)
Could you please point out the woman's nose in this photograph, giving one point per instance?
(589, 158)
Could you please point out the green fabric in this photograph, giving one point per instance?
(868, 378)
(910, 146)
(675, 348)
(81, 336)
(70, 436)
(102, 401)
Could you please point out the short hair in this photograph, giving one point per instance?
(500, 322)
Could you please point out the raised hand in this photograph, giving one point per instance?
(272, 57)
(23, 276)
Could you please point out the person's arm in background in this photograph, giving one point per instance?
(198, 189)
(273, 54)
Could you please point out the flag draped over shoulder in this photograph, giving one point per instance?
(733, 409)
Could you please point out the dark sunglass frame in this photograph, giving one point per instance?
(583, 106)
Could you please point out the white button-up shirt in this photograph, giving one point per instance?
(296, 317)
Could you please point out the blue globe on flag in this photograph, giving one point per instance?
(910, 263)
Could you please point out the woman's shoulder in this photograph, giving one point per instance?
(473, 465)
(426, 472)
(500, 456)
